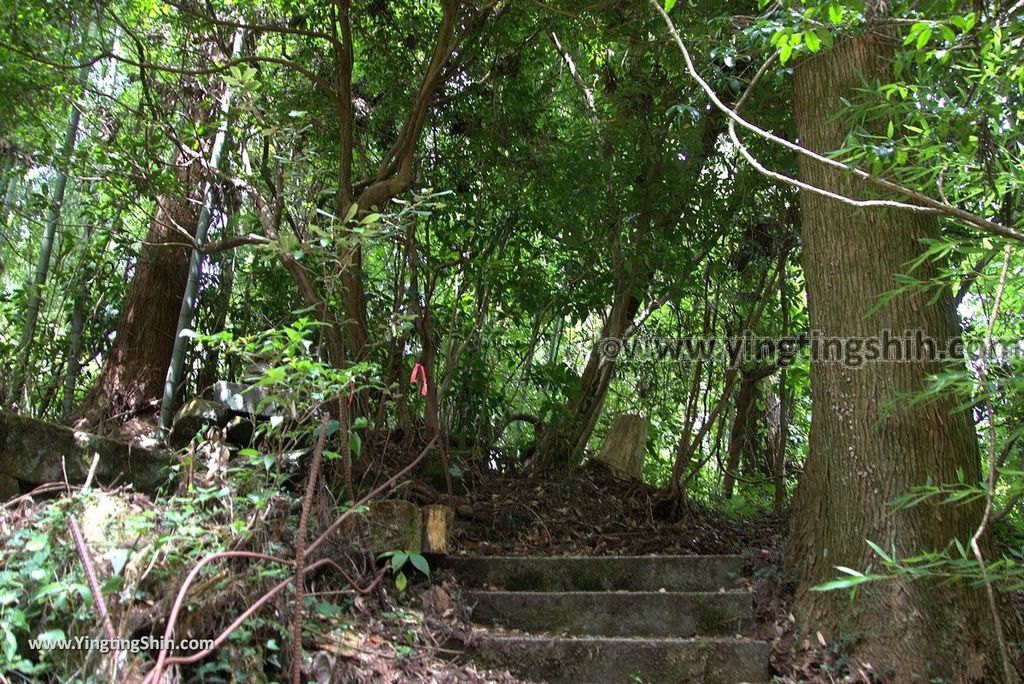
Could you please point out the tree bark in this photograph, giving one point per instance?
(131, 381)
(782, 439)
(861, 454)
(740, 437)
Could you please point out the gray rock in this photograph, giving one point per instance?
(242, 399)
(36, 452)
(191, 418)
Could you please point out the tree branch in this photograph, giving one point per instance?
(924, 203)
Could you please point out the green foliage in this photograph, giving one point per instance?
(285, 364)
(31, 589)
(43, 588)
(564, 188)
(583, 175)
(399, 560)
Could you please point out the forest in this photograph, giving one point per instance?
(511, 340)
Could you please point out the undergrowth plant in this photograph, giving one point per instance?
(402, 558)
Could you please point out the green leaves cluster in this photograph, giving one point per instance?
(399, 560)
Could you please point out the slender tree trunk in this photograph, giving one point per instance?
(11, 192)
(779, 466)
(561, 443)
(745, 395)
(861, 454)
(46, 246)
(74, 364)
(5, 211)
(74, 348)
(431, 409)
(355, 306)
(187, 309)
(421, 304)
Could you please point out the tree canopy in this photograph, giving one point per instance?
(494, 226)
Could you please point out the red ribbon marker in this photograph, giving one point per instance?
(419, 373)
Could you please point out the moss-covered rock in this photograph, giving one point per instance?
(8, 487)
(388, 525)
(35, 452)
(191, 418)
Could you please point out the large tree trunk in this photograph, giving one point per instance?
(861, 455)
(131, 381)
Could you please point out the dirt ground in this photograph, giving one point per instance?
(422, 634)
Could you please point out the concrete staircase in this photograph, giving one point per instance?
(613, 619)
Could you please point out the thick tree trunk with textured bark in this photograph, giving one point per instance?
(131, 382)
(861, 455)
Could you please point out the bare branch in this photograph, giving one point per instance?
(927, 204)
(588, 93)
(181, 71)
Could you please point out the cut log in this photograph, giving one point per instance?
(437, 529)
(625, 445)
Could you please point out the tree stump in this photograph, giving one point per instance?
(437, 528)
(625, 445)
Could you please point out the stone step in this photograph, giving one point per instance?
(596, 573)
(625, 660)
(640, 614)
